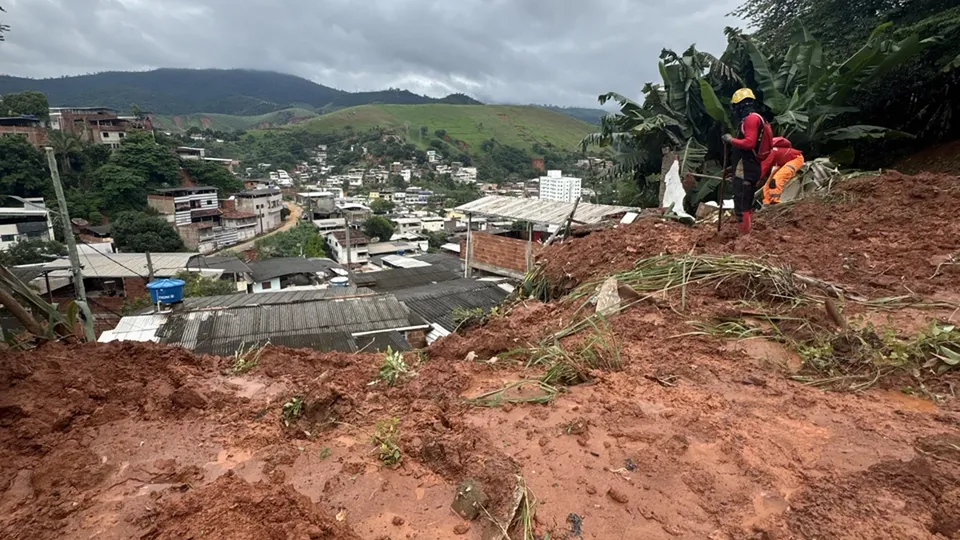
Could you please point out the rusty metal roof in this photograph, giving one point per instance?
(540, 211)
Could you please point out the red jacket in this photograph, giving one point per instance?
(781, 154)
(757, 137)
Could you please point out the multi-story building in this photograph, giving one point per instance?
(407, 225)
(432, 223)
(28, 127)
(32, 220)
(98, 125)
(359, 247)
(185, 205)
(266, 204)
(556, 187)
(245, 223)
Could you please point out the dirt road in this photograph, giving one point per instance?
(295, 212)
(688, 435)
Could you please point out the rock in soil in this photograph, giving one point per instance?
(468, 500)
(618, 495)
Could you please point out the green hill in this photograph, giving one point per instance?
(229, 122)
(514, 125)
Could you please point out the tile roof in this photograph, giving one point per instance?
(237, 214)
(268, 299)
(357, 238)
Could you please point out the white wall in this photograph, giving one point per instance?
(274, 286)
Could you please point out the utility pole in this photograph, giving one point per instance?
(346, 221)
(71, 246)
(150, 267)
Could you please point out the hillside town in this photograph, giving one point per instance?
(453, 270)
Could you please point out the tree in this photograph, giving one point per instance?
(199, 285)
(440, 133)
(31, 251)
(424, 130)
(23, 168)
(382, 206)
(26, 103)
(303, 240)
(378, 227)
(119, 189)
(66, 146)
(149, 160)
(208, 173)
(136, 232)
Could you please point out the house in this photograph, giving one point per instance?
(432, 223)
(185, 205)
(245, 223)
(32, 220)
(393, 248)
(228, 268)
(359, 252)
(190, 153)
(28, 127)
(265, 203)
(318, 204)
(329, 225)
(99, 125)
(407, 225)
(342, 319)
(92, 234)
(404, 278)
(257, 183)
(283, 272)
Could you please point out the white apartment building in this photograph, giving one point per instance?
(556, 187)
(266, 204)
(432, 223)
(407, 225)
(32, 220)
(182, 206)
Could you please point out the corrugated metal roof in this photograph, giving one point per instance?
(263, 299)
(379, 342)
(268, 269)
(403, 278)
(540, 211)
(437, 303)
(123, 265)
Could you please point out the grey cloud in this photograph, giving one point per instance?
(563, 52)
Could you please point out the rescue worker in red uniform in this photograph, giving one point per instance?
(781, 165)
(750, 148)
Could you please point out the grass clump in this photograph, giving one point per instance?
(292, 410)
(598, 351)
(465, 318)
(507, 394)
(386, 436)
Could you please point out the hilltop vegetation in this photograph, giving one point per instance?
(464, 127)
(231, 122)
(214, 91)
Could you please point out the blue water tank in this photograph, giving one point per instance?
(168, 291)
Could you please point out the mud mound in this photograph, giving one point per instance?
(232, 509)
(880, 235)
(57, 388)
(893, 499)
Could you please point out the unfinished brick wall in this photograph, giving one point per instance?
(135, 288)
(499, 252)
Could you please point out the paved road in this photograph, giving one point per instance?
(295, 212)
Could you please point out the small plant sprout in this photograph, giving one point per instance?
(325, 452)
(292, 410)
(393, 368)
(386, 436)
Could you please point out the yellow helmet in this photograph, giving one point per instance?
(742, 94)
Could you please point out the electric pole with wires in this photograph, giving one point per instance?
(71, 247)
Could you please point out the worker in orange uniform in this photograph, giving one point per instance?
(750, 148)
(782, 165)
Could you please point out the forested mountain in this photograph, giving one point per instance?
(221, 91)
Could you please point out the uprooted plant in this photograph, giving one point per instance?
(465, 318)
(394, 368)
(857, 358)
(570, 366)
(247, 357)
(386, 435)
(292, 410)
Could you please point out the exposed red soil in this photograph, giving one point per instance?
(696, 437)
(879, 235)
(943, 158)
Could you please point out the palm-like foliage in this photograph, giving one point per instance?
(65, 145)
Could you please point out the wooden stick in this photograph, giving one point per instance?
(720, 191)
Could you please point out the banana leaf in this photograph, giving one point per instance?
(863, 132)
(712, 104)
(761, 69)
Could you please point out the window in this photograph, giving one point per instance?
(8, 238)
(106, 135)
(122, 134)
(265, 285)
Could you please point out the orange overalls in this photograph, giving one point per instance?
(788, 161)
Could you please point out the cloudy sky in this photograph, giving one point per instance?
(562, 52)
